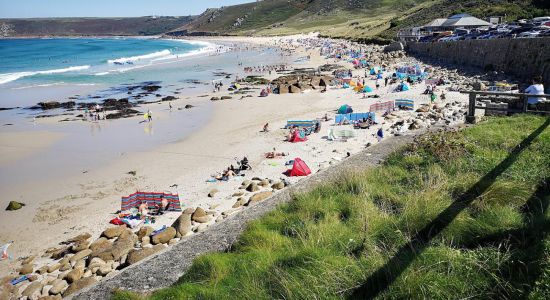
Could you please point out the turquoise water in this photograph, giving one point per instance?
(97, 60)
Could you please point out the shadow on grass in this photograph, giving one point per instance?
(382, 278)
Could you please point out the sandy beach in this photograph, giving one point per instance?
(61, 207)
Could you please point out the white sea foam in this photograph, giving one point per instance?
(8, 77)
(157, 54)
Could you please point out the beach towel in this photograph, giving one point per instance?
(152, 199)
(299, 168)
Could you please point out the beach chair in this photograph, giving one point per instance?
(404, 104)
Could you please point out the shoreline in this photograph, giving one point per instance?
(184, 165)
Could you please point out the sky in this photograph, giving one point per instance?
(107, 8)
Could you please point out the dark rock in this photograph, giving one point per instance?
(150, 88)
(188, 106)
(14, 205)
(169, 98)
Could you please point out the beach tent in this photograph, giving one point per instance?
(374, 70)
(152, 199)
(345, 109)
(345, 86)
(299, 168)
(367, 89)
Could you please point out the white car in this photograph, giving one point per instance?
(529, 34)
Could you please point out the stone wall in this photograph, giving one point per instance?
(521, 58)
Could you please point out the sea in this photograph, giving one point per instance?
(94, 69)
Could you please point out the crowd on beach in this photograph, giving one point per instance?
(426, 89)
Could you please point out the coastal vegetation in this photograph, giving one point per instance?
(358, 20)
(461, 214)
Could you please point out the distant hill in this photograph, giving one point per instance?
(356, 19)
(90, 26)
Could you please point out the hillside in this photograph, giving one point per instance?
(90, 26)
(354, 19)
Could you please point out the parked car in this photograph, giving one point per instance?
(529, 34)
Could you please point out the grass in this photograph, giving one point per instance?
(454, 215)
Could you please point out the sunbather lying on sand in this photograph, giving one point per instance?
(274, 154)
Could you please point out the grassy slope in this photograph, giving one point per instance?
(327, 243)
(356, 18)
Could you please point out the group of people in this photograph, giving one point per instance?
(265, 69)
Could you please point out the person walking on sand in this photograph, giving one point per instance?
(380, 134)
(170, 105)
(149, 116)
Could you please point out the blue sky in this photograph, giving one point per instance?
(107, 8)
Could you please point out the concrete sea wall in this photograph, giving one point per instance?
(522, 58)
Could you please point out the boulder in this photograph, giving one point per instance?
(238, 194)
(42, 270)
(80, 255)
(58, 286)
(264, 183)
(120, 247)
(199, 212)
(100, 244)
(32, 288)
(240, 202)
(259, 197)
(96, 262)
(188, 106)
(14, 205)
(183, 224)
(279, 185)
(189, 210)
(173, 241)
(136, 255)
(80, 264)
(79, 238)
(283, 88)
(80, 245)
(253, 187)
(144, 231)
(205, 219)
(74, 275)
(113, 232)
(214, 99)
(164, 236)
(295, 89)
(65, 267)
(54, 267)
(26, 269)
(226, 97)
(78, 285)
(58, 253)
(104, 270)
(212, 193)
